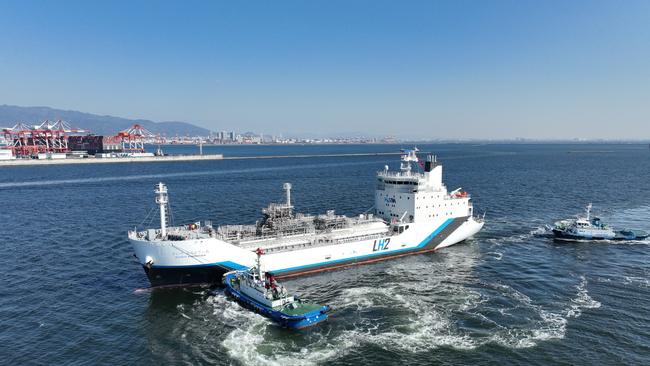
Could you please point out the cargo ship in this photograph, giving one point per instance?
(413, 213)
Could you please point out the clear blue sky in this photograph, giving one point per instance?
(434, 69)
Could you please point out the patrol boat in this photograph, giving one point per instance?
(258, 291)
(592, 228)
(413, 213)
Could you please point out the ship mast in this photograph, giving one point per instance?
(259, 253)
(287, 188)
(162, 200)
(409, 155)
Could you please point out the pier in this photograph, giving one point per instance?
(309, 156)
(144, 159)
(173, 158)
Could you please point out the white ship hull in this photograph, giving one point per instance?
(206, 260)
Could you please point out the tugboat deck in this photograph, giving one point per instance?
(302, 309)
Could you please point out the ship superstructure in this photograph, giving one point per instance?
(413, 213)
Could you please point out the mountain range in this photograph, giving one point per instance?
(99, 125)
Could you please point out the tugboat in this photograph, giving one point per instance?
(592, 228)
(259, 291)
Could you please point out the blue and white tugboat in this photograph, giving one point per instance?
(592, 228)
(259, 291)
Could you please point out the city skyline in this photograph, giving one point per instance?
(437, 70)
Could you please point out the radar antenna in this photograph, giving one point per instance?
(409, 155)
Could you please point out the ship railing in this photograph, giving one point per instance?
(319, 242)
(399, 174)
(284, 247)
(174, 233)
(134, 234)
(242, 235)
(325, 224)
(360, 238)
(365, 218)
(454, 197)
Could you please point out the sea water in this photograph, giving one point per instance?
(72, 292)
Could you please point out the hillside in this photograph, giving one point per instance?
(100, 125)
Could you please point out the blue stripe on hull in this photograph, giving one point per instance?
(366, 256)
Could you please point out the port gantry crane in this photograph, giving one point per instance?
(48, 137)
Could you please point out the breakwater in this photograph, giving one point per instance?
(173, 158)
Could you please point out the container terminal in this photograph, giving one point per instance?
(58, 140)
(54, 143)
(58, 143)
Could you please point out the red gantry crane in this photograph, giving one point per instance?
(48, 137)
(134, 138)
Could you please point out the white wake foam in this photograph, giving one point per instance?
(543, 230)
(582, 300)
(415, 326)
(495, 255)
(405, 317)
(428, 326)
(638, 281)
(253, 340)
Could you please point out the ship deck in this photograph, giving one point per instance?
(364, 230)
(304, 308)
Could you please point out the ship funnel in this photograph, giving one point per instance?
(429, 163)
(287, 187)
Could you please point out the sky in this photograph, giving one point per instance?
(411, 69)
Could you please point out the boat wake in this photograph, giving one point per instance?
(582, 300)
(494, 255)
(446, 309)
(487, 314)
(414, 325)
(544, 231)
(255, 340)
(643, 282)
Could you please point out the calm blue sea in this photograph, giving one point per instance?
(73, 294)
